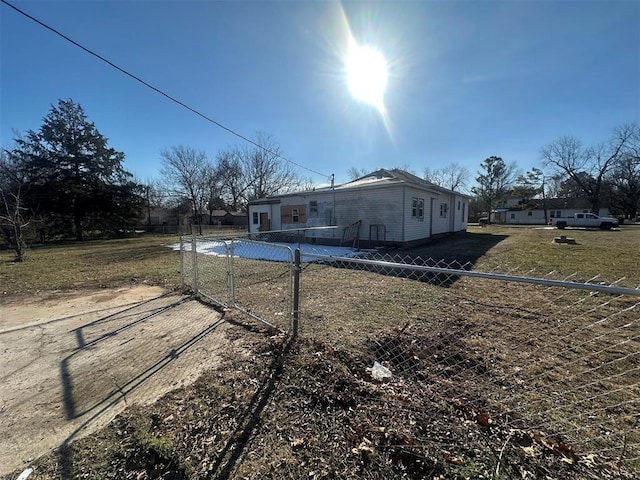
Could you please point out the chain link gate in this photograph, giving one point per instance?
(253, 277)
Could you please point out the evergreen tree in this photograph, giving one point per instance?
(75, 179)
(494, 182)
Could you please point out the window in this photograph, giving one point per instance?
(444, 210)
(255, 218)
(555, 214)
(530, 213)
(458, 204)
(417, 208)
(293, 214)
(513, 216)
(313, 207)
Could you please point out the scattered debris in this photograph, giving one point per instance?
(25, 474)
(380, 372)
(565, 240)
(309, 410)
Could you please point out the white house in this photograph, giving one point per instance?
(391, 207)
(533, 211)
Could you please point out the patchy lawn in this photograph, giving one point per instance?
(90, 265)
(488, 380)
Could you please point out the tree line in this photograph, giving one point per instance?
(192, 182)
(64, 180)
(605, 174)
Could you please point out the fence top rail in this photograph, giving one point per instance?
(612, 289)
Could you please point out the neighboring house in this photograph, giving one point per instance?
(391, 207)
(165, 216)
(224, 218)
(533, 212)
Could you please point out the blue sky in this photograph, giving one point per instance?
(467, 79)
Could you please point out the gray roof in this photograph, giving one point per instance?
(377, 178)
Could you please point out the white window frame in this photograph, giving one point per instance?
(417, 208)
(444, 210)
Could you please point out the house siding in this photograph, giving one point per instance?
(383, 205)
(522, 217)
(273, 212)
(374, 207)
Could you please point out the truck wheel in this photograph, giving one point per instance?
(561, 225)
(605, 226)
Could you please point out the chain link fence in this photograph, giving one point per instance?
(541, 362)
(251, 276)
(545, 362)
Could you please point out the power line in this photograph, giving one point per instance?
(157, 90)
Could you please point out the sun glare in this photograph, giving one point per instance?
(367, 75)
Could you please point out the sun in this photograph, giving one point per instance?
(366, 74)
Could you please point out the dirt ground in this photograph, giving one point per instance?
(72, 362)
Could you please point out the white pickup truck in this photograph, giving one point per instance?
(589, 220)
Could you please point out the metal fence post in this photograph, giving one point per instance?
(194, 252)
(296, 292)
(231, 294)
(181, 263)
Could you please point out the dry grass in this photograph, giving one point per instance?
(611, 254)
(490, 379)
(90, 265)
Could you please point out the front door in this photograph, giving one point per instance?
(264, 222)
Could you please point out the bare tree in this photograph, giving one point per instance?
(184, 171)
(213, 183)
(233, 181)
(15, 216)
(553, 185)
(587, 168)
(266, 170)
(454, 177)
(625, 186)
(355, 173)
(250, 172)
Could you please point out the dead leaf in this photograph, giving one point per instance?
(451, 459)
(484, 420)
(364, 448)
(297, 442)
(590, 460)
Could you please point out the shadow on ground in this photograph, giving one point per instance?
(72, 375)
